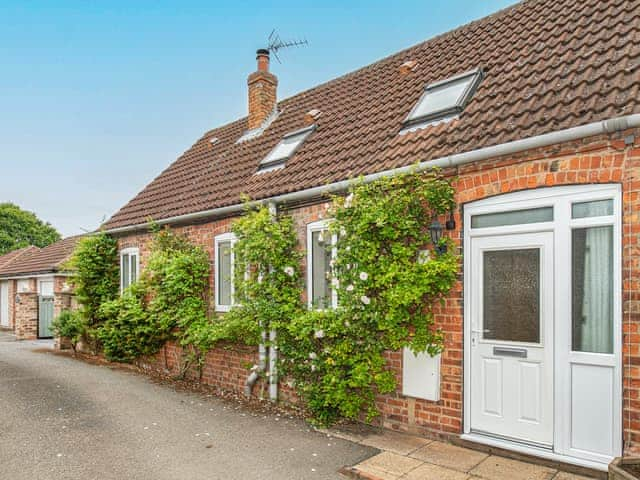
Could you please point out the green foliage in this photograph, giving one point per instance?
(202, 335)
(19, 229)
(69, 324)
(169, 297)
(267, 277)
(129, 331)
(176, 275)
(386, 291)
(96, 279)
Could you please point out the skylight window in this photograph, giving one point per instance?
(284, 150)
(444, 99)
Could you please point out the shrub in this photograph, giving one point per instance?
(96, 276)
(129, 330)
(69, 324)
(169, 297)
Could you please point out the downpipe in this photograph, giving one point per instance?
(257, 369)
(273, 366)
(272, 373)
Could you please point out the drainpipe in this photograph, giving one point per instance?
(257, 369)
(273, 369)
(273, 347)
(262, 354)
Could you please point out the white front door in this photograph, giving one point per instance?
(512, 337)
(4, 304)
(543, 326)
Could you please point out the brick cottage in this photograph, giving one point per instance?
(34, 288)
(534, 113)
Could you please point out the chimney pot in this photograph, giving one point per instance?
(262, 91)
(262, 56)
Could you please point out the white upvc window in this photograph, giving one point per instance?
(224, 271)
(444, 99)
(285, 149)
(129, 266)
(321, 250)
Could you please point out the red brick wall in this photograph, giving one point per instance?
(594, 160)
(26, 327)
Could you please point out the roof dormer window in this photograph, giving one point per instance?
(444, 99)
(284, 150)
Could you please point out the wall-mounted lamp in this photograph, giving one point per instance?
(17, 298)
(435, 232)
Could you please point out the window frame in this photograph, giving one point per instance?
(319, 226)
(129, 251)
(272, 162)
(223, 238)
(475, 77)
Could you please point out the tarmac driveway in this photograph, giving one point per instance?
(65, 419)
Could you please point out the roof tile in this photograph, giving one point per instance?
(35, 260)
(548, 65)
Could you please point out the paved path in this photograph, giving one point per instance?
(405, 457)
(64, 419)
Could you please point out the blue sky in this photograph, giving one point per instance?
(97, 98)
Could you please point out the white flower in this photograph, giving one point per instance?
(349, 288)
(348, 201)
(332, 262)
(313, 368)
(313, 355)
(335, 282)
(348, 248)
(343, 232)
(347, 323)
(364, 276)
(366, 300)
(289, 271)
(319, 333)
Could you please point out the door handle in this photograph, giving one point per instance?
(480, 330)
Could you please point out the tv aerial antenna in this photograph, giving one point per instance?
(276, 44)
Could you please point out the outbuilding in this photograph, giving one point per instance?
(34, 288)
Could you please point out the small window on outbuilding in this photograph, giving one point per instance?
(444, 99)
(284, 150)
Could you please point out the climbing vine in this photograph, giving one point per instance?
(386, 273)
(387, 286)
(95, 278)
(169, 297)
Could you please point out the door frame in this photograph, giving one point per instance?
(534, 198)
(4, 304)
(40, 281)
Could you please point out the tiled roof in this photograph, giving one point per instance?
(41, 260)
(548, 65)
(13, 256)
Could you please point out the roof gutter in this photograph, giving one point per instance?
(611, 125)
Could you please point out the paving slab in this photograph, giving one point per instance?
(449, 456)
(434, 472)
(389, 463)
(570, 476)
(395, 442)
(500, 468)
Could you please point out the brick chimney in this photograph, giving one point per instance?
(262, 91)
